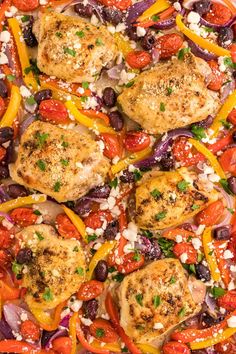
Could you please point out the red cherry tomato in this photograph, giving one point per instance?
(65, 227)
(188, 249)
(217, 78)
(53, 111)
(30, 330)
(228, 161)
(95, 219)
(211, 214)
(5, 237)
(169, 44)
(218, 14)
(232, 243)
(62, 345)
(228, 301)
(226, 347)
(112, 145)
(2, 107)
(130, 263)
(5, 258)
(232, 117)
(233, 52)
(175, 348)
(26, 5)
(90, 290)
(23, 216)
(138, 59)
(102, 330)
(119, 4)
(136, 141)
(184, 153)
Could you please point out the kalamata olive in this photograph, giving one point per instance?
(114, 16)
(29, 36)
(202, 7)
(234, 136)
(167, 162)
(6, 134)
(24, 256)
(84, 10)
(207, 320)
(148, 41)
(100, 192)
(155, 251)
(222, 233)
(225, 37)
(4, 172)
(109, 97)
(16, 190)
(43, 95)
(82, 206)
(90, 308)
(132, 34)
(205, 123)
(10, 155)
(3, 89)
(46, 335)
(116, 120)
(101, 271)
(127, 177)
(232, 184)
(202, 272)
(111, 230)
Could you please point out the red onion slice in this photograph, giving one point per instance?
(199, 52)
(29, 119)
(136, 10)
(217, 27)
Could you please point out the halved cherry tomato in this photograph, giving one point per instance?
(65, 227)
(169, 44)
(2, 107)
(173, 233)
(23, 216)
(30, 330)
(211, 214)
(26, 5)
(232, 243)
(228, 161)
(175, 348)
(136, 141)
(112, 145)
(226, 347)
(119, 4)
(218, 14)
(53, 111)
(233, 52)
(5, 258)
(102, 330)
(232, 117)
(5, 237)
(228, 300)
(2, 153)
(90, 290)
(138, 59)
(185, 248)
(184, 153)
(7, 292)
(62, 345)
(217, 78)
(130, 263)
(95, 219)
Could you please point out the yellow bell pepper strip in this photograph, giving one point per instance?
(123, 45)
(101, 253)
(45, 320)
(86, 121)
(210, 256)
(203, 43)
(77, 222)
(227, 333)
(158, 6)
(22, 201)
(72, 332)
(148, 349)
(223, 113)
(112, 347)
(12, 109)
(23, 54)
(209, 156)
(131, 159)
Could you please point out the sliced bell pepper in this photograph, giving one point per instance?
(22, 201)
(209, 156)
(221, 337)
(210, 257)
(77, 222)
(7, 292)
(23, 54)
(148, 349)
(158, 6)
(12, 109)
(164, 15)
(86, 121)
(219, 248)
(91, 113)
(72, 332)
(203, 43)
(123, 45)
(112, 347)
(45, 320)
(101, 253)
(131, 159)
(223, 113)
(15, 346)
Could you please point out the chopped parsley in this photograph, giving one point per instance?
(25, 18)
(129, 84)
(225, 124)
(136, 256)
(166, 246)
(161, 215)
(195, 207)
(10, 77)
(225, 185)
(80, 34)
(172, 280)
(64, 162)
(39, 235)
(58, 34)
(41, 165)
(79, 271)
(208, 29)
(198, 132)
(169, 91)
(41, 138)
(210, 253)
(231, 210)
(85, 85)
(30, 100)
(182, 53)
(182, 312)
(64, 144)
(118, 277)
(57, 186)
(124, 350)
(137, 175)
(69, 51)
(162, 107)
(229, 63)
(155, 18)
(100, 332)
(217, 291)
(139, 299)
(182, 186)
(47, 295)
(92, 237)
(114, 183)
(16, 268)
(76, 249)
(156, 301)
(83, 99)
(37, 212)
(99, 42)
(192, 268)
(147, 233)
(155, 193)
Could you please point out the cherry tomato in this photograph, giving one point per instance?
(112, 145)
(102, 330)
(2, 107)
(138, 59)
(66, 228)
(53, 111)
(136, 141)
(30, 330)
(175, 348)
(184, 153)
(233, 52)
(232, 244)
(23, 216)
(62, 345)
(211, 214)
(218, 14)
(228, 300)
(226, 347)
(130, 263)
(228, 161)
(26, 5)
(119, 4)
(5, 237)
(217, 78)
(186, 249)
(232, 117)
(90, 290)
(5, 258)
(169, 44)
(95, 219)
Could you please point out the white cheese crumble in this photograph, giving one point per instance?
(232, 322)
(193, 17)
(158, 325)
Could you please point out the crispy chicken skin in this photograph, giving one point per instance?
(172, 94)
(71, 48)
(51, 277)
(164, 279)
(61, 163)
(167, 199)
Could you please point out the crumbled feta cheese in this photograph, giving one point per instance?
(184, 257)
(43, 2)
(3, 58)
(5, 36)
(24, 91)
(193, 17)
(120, 27)
(131, 233)
(232, 322)
(228, 254)
(179, 238)
(196, 242)
(177, 6)
(76, 306)
(141, 31)
(231, 285)
(24, 316)
(86, 321)
(94, 20)
(158, 325)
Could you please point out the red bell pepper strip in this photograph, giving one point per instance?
(219, 248)
(15, 346)
(8, 293)
(164, 15)
(3, 8)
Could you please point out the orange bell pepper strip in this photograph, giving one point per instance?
(72, 331)
(219, 248)
(114, 316)
(14, 56)
(7, 292)
(91, 113)
(3, 8)
(15, 346)
(7, 71)
(164, 15)
(45, 321)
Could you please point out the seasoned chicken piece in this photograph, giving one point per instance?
(63, 164)
(172, 94)
(71, 48)
(169, 198)
(155, 299)
(57, 268)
